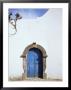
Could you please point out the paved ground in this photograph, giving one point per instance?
(33, 79)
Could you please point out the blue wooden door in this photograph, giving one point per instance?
(34, 59)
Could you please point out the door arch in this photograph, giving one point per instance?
(35, 48)
(34, 63)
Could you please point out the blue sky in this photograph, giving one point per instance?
(29, 13)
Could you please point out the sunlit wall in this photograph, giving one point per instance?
(45, 31)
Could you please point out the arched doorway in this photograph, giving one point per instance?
(34, 63)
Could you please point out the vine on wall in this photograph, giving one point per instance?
(13, 21)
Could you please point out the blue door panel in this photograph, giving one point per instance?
(31, 68)
(33, 60)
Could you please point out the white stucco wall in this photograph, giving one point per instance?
(45, 31)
